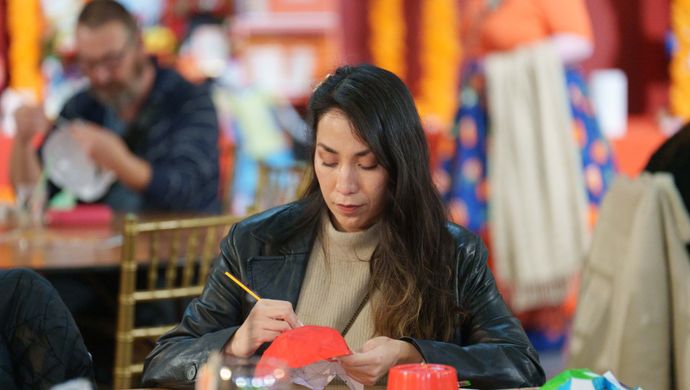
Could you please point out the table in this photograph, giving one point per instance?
(83, 264)
(70, 248)
(337, 387)
(52, 248)
(298, 387)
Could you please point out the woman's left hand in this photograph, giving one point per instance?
(376, 357)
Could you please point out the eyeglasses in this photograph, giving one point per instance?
(108, 61)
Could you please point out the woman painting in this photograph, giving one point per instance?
(367, 250)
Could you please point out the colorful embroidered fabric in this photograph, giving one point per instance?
(468, 192)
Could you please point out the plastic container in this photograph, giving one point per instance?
(422, 377)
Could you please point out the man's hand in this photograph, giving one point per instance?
(30, 120)
(25, 168)
(104, 147)
(109, 151)
(268, 319)
(376, 357)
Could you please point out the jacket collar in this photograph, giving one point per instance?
(274, 229)
(277, 270)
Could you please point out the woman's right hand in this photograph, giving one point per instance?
(268, 319)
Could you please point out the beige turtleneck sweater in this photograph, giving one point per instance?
(336, 282)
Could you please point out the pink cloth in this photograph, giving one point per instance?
(91, 214)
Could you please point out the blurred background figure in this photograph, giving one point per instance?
(491, 27)
(156, 132)
(495, 30)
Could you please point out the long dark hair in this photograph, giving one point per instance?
(410, 269)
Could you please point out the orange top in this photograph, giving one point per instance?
(517, 22)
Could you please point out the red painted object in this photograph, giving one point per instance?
(305, 345)
(422, 377)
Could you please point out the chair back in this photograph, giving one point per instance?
(227, 157)
(280, 185)
(174, 257)
(633, 312)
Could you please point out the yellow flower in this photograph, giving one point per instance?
(680, 64)
(440, 60)
(24, 30)
(387, 35)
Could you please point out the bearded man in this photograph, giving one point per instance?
(154, 130)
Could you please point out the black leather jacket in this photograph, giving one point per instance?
(489, 348)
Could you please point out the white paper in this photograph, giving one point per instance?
(68, 166)
(317, 376)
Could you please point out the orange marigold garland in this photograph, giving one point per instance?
(387, 35)
(24, 27)
(439, 59)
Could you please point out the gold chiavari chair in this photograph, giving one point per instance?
(227, 170)
(178, 255)
(280, 185)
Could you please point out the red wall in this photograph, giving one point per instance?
(629, 34)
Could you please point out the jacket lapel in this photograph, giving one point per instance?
(278, 277)
(278, 272)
